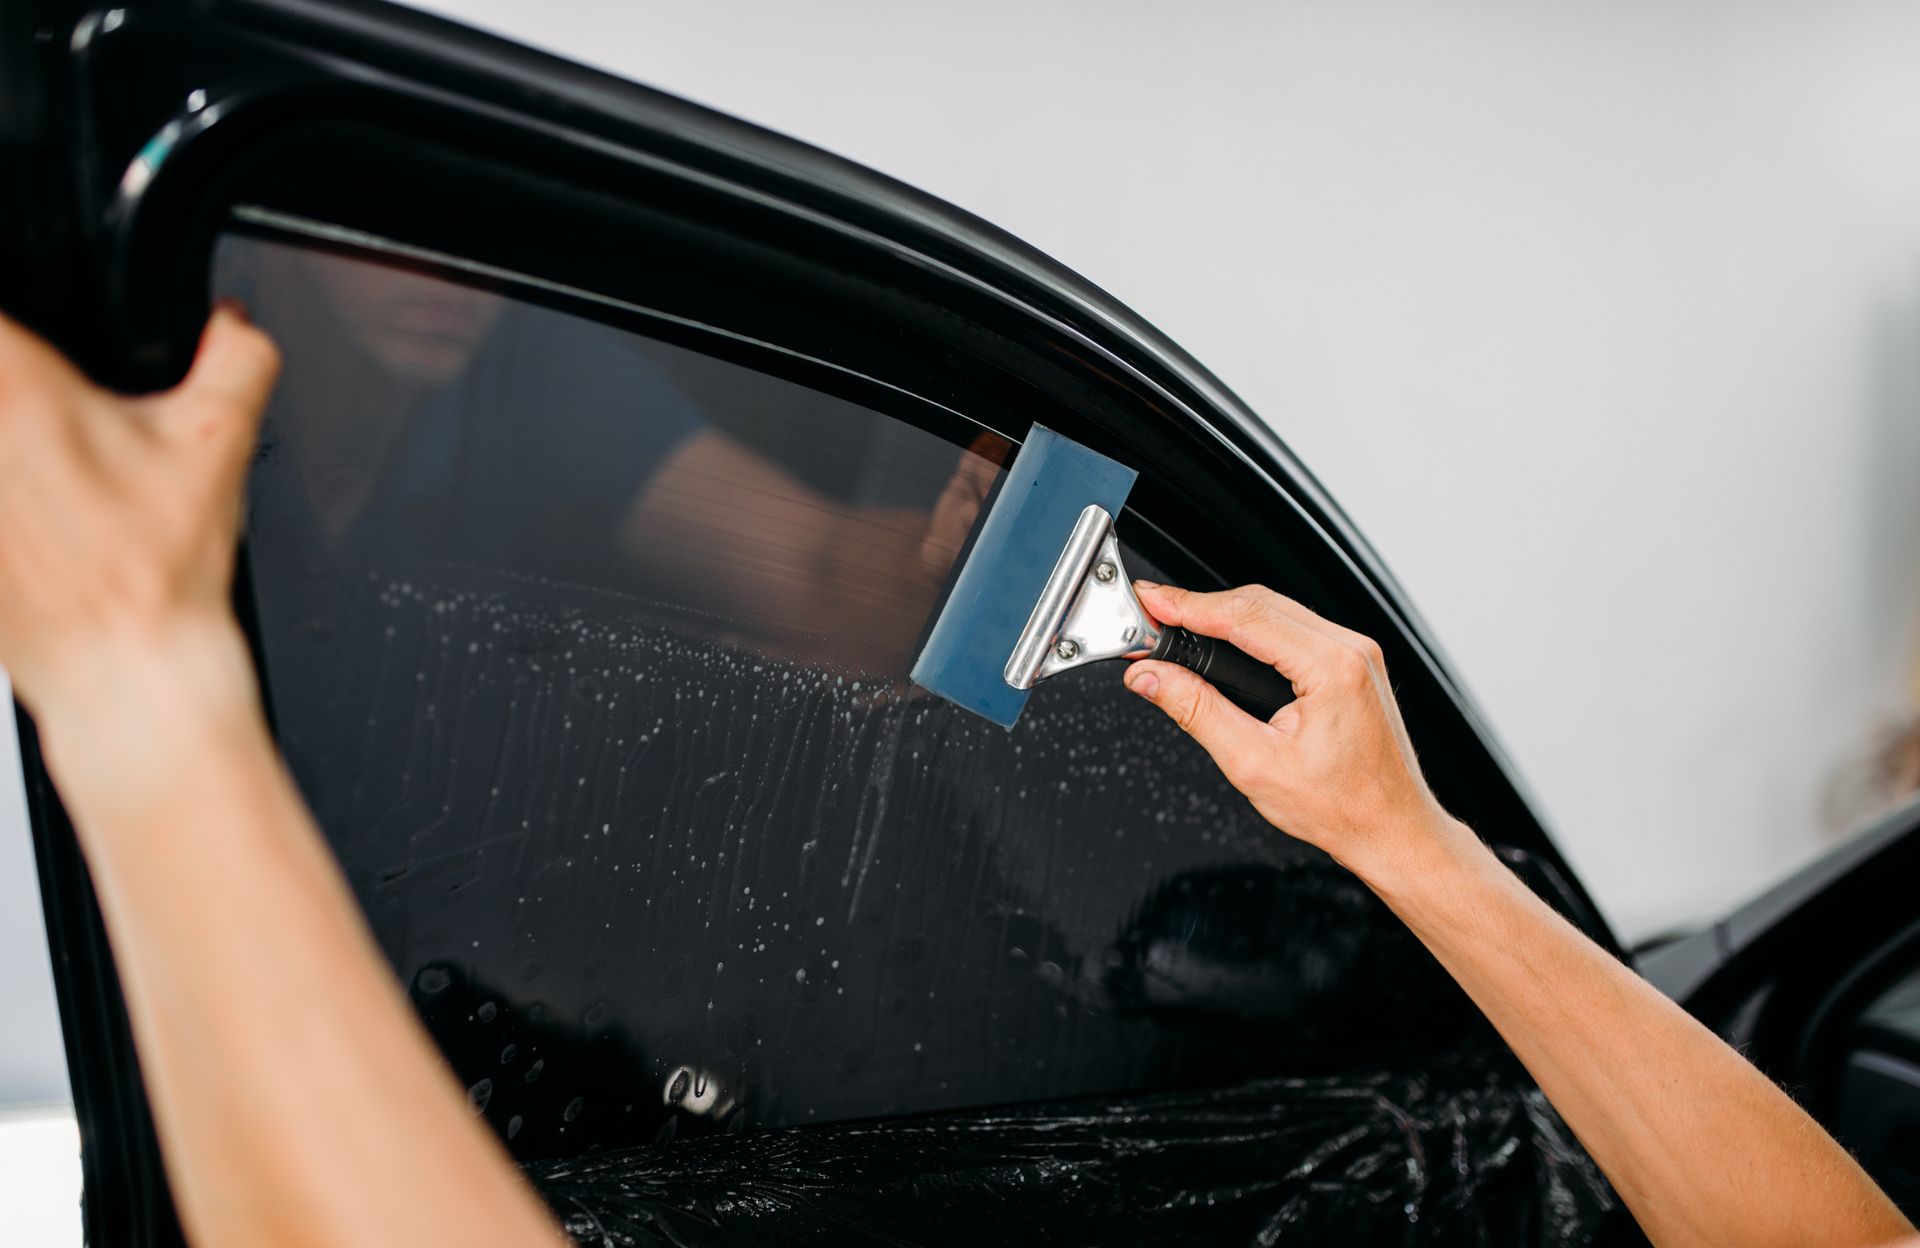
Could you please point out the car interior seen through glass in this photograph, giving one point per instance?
(589, 651)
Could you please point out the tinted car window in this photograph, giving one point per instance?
(589, 651)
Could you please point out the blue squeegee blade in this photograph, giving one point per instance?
(1017, 543)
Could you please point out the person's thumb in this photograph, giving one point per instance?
(1228, 733)
(223, 394)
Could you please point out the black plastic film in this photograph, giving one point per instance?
(1460, 1155)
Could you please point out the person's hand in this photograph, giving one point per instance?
(1334, 767)
(119, 515)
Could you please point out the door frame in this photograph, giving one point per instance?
(158, 121)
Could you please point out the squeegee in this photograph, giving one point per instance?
(1043, 590)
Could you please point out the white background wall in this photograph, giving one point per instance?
(33, 1068)
(1602, 320)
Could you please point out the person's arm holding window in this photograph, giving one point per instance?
(297, 1097)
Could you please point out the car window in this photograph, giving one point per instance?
(589, 648)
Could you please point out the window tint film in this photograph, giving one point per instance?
(589, 651)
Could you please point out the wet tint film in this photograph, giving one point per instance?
(589, 652)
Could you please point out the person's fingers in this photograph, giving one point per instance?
(1251, 618)
(223, 394)
(1275, 601)
(1235, 739)
(1268, 599)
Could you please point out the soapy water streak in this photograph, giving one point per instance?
(1464, 1154)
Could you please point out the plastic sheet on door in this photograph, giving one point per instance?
(1463, 1154)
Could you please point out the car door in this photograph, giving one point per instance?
(620, 455)
(1817, 981)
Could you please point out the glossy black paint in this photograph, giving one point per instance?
(131, 134)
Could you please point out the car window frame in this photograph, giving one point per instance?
(174, 116)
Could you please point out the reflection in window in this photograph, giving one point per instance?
(589, 652)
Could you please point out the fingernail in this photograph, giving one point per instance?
(1143, 683)
(1138, 583)
(235, 307)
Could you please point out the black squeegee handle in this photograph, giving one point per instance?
(1255, 687)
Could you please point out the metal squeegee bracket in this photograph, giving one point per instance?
(1088, 611)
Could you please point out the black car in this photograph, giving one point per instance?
(601, 504)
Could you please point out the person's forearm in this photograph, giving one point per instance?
(297, 1098)
(1703, 1149)
(1659, 1125)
